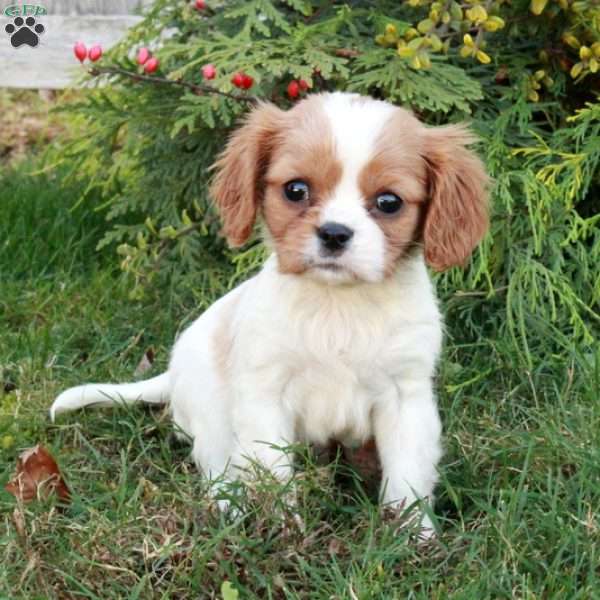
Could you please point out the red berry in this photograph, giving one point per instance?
(303, 85)
(238, 80)
(80, 51)
(247, 82)
(151, 65)
(293, 89)
(200, 4)
(95, 53)
(209, 71)
(142, 56)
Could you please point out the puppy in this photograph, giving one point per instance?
(338, 335)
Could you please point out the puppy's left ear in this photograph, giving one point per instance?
(457, 215)
(237, 186)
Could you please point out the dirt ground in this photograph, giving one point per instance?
(27, 122)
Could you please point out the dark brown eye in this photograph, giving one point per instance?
(296, 190)
(388, 203)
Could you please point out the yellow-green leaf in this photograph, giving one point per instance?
(425, 25)
(483, 58)
(576, 70)
(405, 51)
(571, 40)
(537, 6)
(228, 592)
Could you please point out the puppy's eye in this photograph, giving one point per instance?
(296, 190)
(388, 203)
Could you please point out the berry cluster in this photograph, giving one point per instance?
(242, 81)
(81, 52)
(150, 64)
(144, 58)
(295, 88)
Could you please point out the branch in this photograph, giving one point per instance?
(463, 294)
(164, 244)
(197, 88)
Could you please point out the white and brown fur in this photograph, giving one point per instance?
(318, 347)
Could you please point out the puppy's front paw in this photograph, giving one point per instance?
(426, 529)
(231, 512)
(414, 518)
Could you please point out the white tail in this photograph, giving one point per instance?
(152, 391)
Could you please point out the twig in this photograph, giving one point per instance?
(199, 89)
(164, 244)
(462, 294)
(347, 53)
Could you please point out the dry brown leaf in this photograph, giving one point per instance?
(335, 547)
(146, 362)
(37, 476)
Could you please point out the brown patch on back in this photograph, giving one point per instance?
(307, 152)
(222, 340)
(397, 167)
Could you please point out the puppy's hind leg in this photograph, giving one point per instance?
(199, 410)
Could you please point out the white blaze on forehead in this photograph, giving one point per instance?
(356, 123)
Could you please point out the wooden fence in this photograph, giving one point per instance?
(51, 64)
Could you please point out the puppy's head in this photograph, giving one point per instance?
(347, 185)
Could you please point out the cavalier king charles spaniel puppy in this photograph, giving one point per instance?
(338, 335)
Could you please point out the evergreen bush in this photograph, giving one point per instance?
(524, 75)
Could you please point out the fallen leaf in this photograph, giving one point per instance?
(146, 362)
(228, 592)
(335, 547)
(37, 475)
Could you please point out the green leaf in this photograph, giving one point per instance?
(442, 87)
(228, 592)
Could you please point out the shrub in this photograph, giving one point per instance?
(524, 75)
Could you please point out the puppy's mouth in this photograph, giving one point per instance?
(334, 270)
(328, 266)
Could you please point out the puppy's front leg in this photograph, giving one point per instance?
(407, 431)
(262, 429)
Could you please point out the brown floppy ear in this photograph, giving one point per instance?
(457, 215)
(237, 186)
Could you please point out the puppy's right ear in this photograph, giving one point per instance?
(237, 187)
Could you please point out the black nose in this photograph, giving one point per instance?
(334, 236)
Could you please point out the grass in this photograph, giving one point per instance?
(517, 503)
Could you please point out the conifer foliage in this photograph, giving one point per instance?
(523, 74)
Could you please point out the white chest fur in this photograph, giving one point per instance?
(328, 353)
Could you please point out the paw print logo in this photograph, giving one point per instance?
(24, 31)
